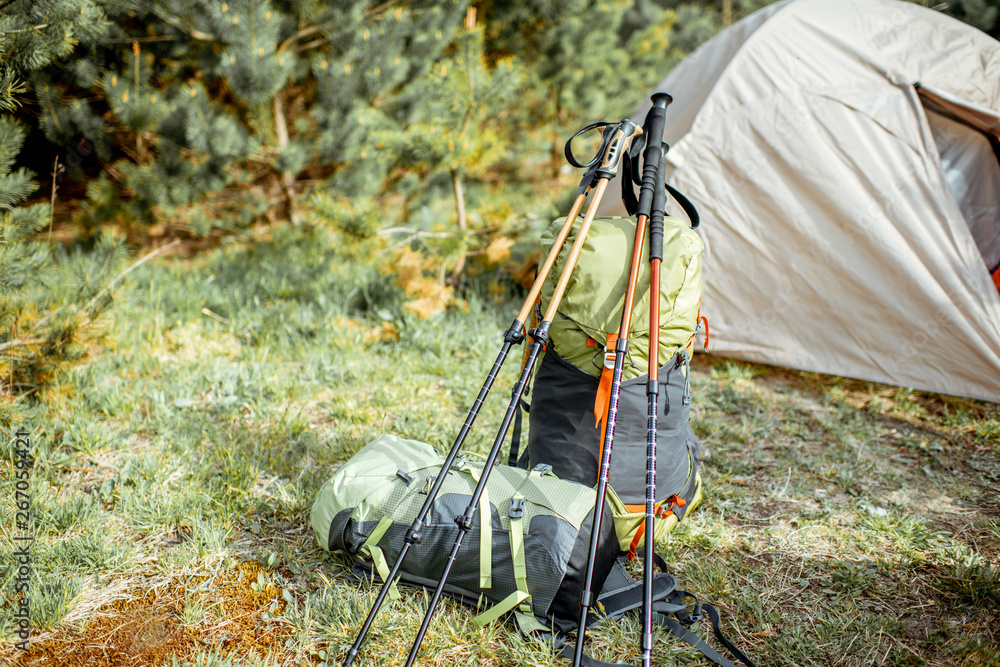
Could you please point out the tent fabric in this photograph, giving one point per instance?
(834, 240)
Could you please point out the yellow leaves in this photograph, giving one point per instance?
(410, 268)
(431, 297)
(384, 333)
(498, 250)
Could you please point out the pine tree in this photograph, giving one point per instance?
(981, 14)
(46, 302)
(457, 131)
(203, 110)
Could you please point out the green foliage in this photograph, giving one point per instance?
(32, 35)
(981, 14)
(44, 304)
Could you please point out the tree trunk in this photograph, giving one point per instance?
(287, 177)
(463, 225)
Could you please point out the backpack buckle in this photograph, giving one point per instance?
(696, 616)
(609, 359)
(542, 469)
(516, 510)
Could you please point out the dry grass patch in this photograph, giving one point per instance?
(232, 612)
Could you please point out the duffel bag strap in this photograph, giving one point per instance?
(520, 598)
(381, 566)
(485, 529)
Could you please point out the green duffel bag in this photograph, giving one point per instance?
(531, 557)
(531, 560)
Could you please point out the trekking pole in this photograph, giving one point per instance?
(653, 127)
(652, 395)
(615, 147)
(512, 336)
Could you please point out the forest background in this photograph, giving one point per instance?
(426, 135)
(240, 239)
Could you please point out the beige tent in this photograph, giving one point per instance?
(843, 155)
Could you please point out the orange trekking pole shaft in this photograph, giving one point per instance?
(652, 396)
(654, 132)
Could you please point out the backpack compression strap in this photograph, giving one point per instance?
(675, 605)
(622, 594)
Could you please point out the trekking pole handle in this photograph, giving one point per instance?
(617, 148)
(659, 206)
(568, 149)
(653, 127)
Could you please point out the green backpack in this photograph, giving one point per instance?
(567, 393)
(530, 557)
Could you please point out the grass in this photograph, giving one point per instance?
(845, 523)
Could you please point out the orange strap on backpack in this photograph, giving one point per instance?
(604, 388)
(661, 511)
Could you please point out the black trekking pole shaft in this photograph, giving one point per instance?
(413, 535)
(587, 596)
(467, 520)
(652, 393)
(654, 126)
(512, 336)
(616, 148)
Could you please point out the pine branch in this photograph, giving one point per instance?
(305, 32)
(21, 343)
(41, 26)
(177, 23)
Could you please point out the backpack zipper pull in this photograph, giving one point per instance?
(685, 360)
